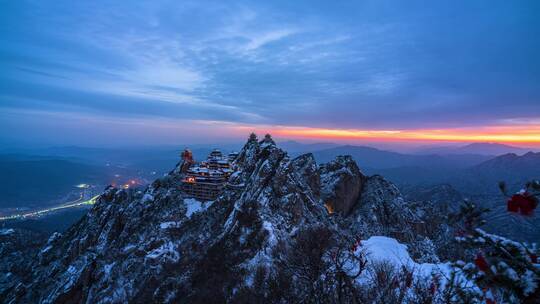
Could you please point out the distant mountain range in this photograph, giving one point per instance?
(477, 166)
(481, 178)
(469, 168)
(294, 147)
(368, 157)
(515, 170)
(148, 159)
(475, 148)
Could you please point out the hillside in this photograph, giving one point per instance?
(368, 157)
(515, 170)
(489, 149)
(158, 246)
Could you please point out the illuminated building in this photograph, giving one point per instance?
(205, 180)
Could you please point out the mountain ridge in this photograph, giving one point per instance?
(144, 246)
(490, 149)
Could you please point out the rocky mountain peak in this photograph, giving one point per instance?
(157, 245)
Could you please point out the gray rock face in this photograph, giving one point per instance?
(18, 248)
(382, 210)
(156, 246)
(342, 183)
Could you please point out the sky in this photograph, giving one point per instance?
(160, 72)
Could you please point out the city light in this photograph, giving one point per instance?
(37, 213)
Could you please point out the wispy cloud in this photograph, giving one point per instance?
(259, 39)
(361, 66)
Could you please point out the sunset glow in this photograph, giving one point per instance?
(526, 135)
(348, 76)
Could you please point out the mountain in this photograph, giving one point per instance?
(145, 160)
(368, 157)
(515, 170)
(527, 163)
(294, 147)
(274, 235)
(479, 179)
(437, 194)
(475, 148)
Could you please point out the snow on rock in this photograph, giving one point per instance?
(272, 240)
(381, 248)
(384, 249)
(529, 282)
(125, 249)
(168, 225)
(166, 251)
(107, 269)
(46, 249)
(147, 198)
(194, 206)
(6, 231)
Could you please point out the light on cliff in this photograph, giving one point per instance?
(329, 207)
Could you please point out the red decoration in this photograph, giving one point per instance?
(522, 203)
(534, 258)
(513, 204)
(356, 245)
(408, 279)
(490, 301)
(434, 284)
(433, 288)
(481, 263)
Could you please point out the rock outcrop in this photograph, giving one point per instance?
(342, 183)
(158, 246)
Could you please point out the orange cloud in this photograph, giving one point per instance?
(522, 134)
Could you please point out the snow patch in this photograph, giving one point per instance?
(6, 231)
(147, 197)
(166, 251)
(107, 270)
(529, 282)
(46, 249)
(272, 240)
(194, 206)
(129, 248)
(168, 225)
(380, 248)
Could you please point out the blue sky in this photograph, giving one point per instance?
(120, 72)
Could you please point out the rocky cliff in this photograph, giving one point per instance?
(158, 246)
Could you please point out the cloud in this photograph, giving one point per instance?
(259, 39)
(357, 65)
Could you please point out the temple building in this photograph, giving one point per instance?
(206, 180)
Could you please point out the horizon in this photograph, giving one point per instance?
(398, 76)
(403, 148)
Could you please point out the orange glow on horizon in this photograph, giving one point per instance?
(525, 135)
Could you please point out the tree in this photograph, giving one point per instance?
(503, 269)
